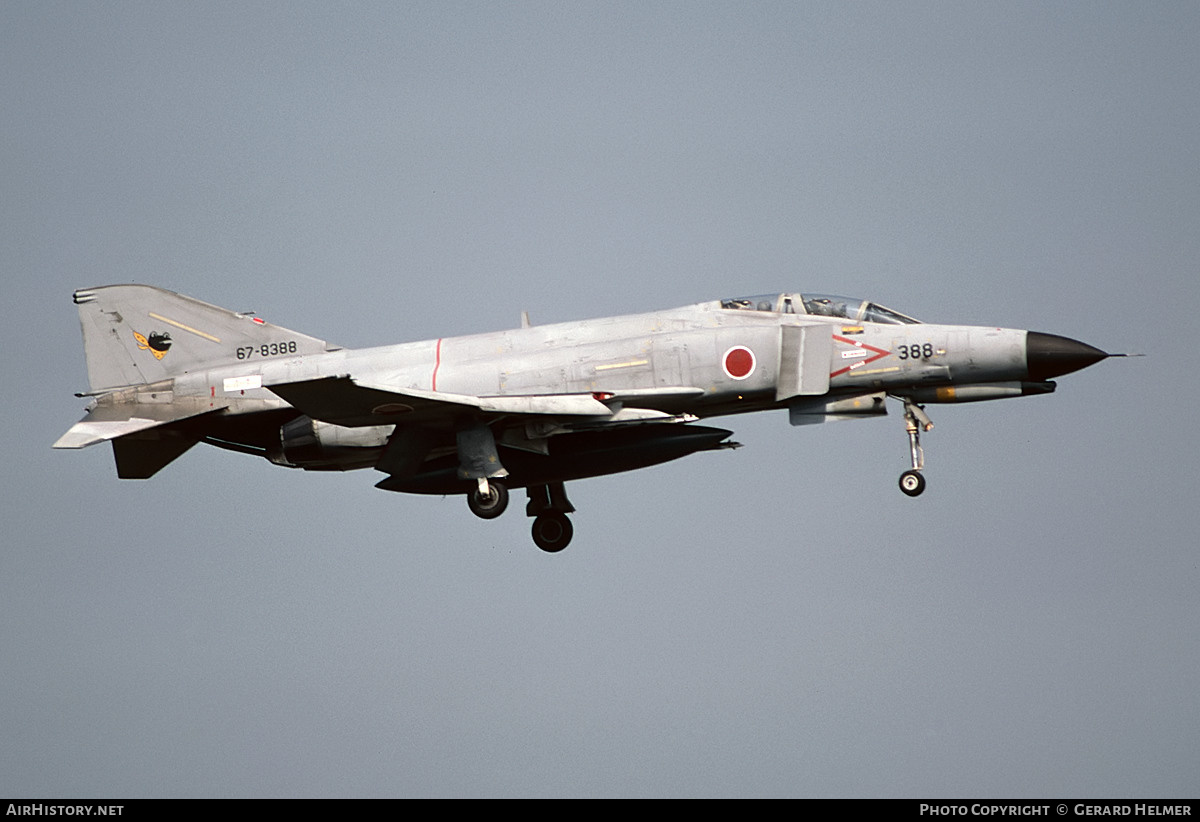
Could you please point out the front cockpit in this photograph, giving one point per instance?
(824, 305)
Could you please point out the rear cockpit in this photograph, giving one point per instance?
(824, 305)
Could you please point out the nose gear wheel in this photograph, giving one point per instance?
(912, 483)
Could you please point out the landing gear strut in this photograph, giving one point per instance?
(549, 506)
(912, 482)
(548, 503)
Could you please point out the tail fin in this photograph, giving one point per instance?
(138, 334)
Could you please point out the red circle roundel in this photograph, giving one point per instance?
(738, 362)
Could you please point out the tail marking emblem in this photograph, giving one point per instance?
(157, 344)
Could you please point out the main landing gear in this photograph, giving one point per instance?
(548, 505)
(912, 482)
(488, 500)
(552, 531)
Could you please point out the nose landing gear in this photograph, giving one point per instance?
(912, 482)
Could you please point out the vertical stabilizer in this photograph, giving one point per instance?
(137, 334)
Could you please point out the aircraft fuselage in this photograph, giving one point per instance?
(533, 406)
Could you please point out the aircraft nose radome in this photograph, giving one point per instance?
(1049, 355)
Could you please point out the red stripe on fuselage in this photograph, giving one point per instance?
(437, 363)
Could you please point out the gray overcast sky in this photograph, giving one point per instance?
(778, 620)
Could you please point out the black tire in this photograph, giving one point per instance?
(912, 483)
(552, 532)
(490, 506)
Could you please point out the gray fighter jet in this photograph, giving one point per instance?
(532, 407)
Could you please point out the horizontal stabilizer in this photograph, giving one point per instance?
(142, 455)
(89, 432)
(106, 423)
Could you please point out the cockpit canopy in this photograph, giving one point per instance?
(824, 305)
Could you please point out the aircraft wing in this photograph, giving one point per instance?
(345, 401)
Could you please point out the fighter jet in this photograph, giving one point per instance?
(531, 407)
